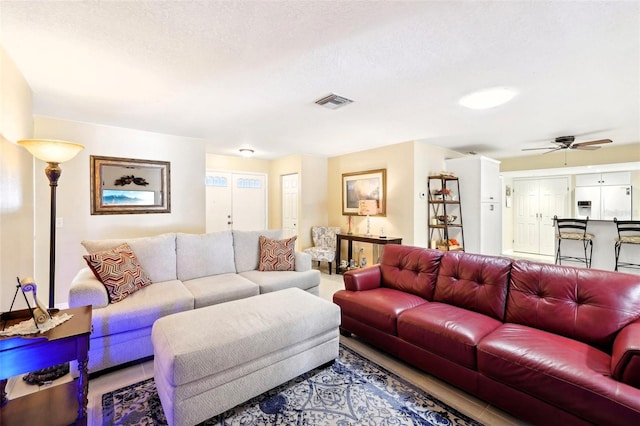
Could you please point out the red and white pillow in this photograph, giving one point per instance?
(277, 255)
(119, 270)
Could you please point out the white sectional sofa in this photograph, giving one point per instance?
(188, 271)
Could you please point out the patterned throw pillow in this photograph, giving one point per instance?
(277, 255)
(118, 269)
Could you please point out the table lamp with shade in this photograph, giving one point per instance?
(368, 208)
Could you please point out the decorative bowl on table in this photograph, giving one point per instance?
(448, 219)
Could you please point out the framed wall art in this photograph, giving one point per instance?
(129, 186)
(368, 185)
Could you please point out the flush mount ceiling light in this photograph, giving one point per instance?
(333, 101)
(488, 98)
(246, 152)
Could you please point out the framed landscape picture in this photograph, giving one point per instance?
(368, 185)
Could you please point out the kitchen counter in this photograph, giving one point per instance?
(605, 232)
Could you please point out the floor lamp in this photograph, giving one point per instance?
(52, 152)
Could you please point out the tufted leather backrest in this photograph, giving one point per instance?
(588, 305)
(410, 269)
(475, 282)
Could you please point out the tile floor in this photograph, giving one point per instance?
(456, 398)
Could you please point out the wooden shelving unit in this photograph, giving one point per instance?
(444, 201)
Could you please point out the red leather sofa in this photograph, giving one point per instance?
(550, 344)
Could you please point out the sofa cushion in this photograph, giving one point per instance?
(156, 254)
(246, 247)
(277, 255)
(118, 269)
(446, 330)
(410, 269)
(202, 255)
(378, 308)
(280, 280)
(475, 282)
(142, 308)
(584, 304)
(561, 371)
(220, 288)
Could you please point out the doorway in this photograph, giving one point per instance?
(536, 201)
(290, 205)
(236, 200)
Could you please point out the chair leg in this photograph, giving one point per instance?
(616, 250)
(330, 267)
(558, 261)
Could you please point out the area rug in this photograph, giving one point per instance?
(352, 391)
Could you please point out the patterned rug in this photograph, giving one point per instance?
(352, 391)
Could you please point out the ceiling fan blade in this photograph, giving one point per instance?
(585, 147)
(554, 150)
(534, 149)
(598, 142)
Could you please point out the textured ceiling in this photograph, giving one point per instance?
(247, 73)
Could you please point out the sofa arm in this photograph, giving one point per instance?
(625, 356)
(363, 279)
(302, 261)
(85, 289)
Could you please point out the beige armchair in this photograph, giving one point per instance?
(324, 244)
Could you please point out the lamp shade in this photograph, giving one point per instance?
(367, 207)
(51, 151)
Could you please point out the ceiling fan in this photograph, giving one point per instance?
(567, 142)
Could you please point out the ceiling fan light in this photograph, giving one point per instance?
(488, 98)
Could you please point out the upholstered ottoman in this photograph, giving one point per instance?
(211, 359)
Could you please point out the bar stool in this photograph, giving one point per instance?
(576, 230)
(628, 233)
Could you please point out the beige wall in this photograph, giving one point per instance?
(408, 164)
(187, 158)
(16, 184)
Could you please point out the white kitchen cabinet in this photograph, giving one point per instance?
(480, 195)
(609, 178)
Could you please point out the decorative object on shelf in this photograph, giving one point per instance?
(445, 193)
(382, 234)
(53, 152)
(126, 180)
(367, 208)
(447, 219)
(369, 185)
(350, 231)
(154, 178)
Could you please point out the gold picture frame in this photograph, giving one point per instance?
(367, 185)
(129, 186)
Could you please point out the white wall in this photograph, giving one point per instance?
(16, 183)
(187, 158)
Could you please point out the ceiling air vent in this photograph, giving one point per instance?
(333, 101)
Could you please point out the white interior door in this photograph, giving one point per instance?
(554, 201)
(236, 201)
(249, 201)
(536, 201)
(218, 201)
(525, 199)
(290, 205)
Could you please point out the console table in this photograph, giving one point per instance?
(372, 239)
(56, 405)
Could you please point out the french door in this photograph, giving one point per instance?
(236, 200)
(536, 201)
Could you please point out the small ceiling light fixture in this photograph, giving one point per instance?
(333, 101)
(246, 152)
(488, 98)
